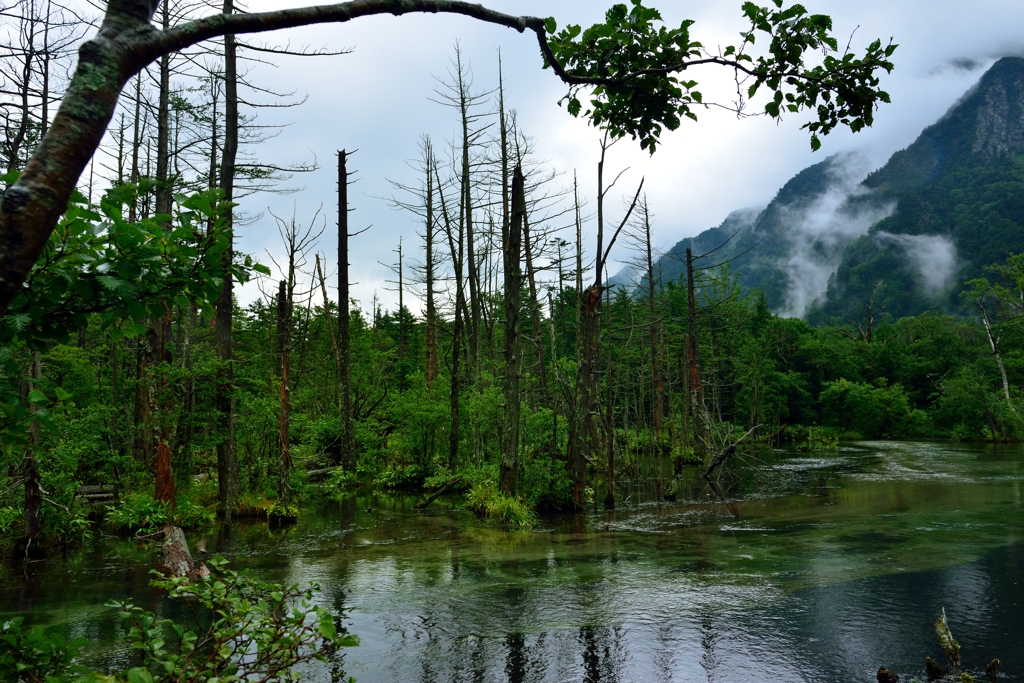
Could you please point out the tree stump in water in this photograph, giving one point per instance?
(992, 670)
(177, 558)
(950, 647)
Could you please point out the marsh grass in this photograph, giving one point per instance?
(511, 511)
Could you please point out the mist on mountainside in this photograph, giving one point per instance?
(817, 230)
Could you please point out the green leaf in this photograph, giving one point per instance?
(37, 396)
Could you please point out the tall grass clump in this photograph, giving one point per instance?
(512, 511)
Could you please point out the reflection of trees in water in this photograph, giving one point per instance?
(708, 639)
(515, 661)
(604, 653)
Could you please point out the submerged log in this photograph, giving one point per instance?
(177, 558)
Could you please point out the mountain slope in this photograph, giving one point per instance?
(958, 192)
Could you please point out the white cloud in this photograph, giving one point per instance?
(933, 256)
(376, 100)
(818, 232)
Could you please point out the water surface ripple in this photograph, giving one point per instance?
(815, 568)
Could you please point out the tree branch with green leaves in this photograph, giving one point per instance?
(632, 61)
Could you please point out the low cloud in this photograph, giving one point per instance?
(820, 230)
(933, 256)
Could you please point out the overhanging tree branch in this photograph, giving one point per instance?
(635, 91)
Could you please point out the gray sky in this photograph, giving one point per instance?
(377, 100)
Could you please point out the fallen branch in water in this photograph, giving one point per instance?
(724, 454)
(428, 501)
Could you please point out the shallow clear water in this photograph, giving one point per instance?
(814, 568)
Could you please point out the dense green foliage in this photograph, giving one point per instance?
(928, 375)
(633, 61)
(242, 629)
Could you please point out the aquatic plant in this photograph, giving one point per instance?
(280, 515)
(251, 504)
(485, 499)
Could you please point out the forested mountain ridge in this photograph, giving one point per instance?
(906, 237)
(959, 194)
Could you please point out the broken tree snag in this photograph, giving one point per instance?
(177, 558)
(950, 647)
(992, 670)
(886, 676)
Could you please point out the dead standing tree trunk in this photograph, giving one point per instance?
(696, 389)
(511, 242)
(455, 243)
(588, 347)
(346, 432)
(284, 414)
(433, 364)
(227, 454)
(654, 323)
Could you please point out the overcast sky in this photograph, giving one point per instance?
(376, 99)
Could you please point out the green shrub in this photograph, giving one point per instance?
(822, 439)
(138, 512)
(251, 504)
(142, 514)
(280, 515)
(339, 480)
(10, 518)
(485, 499)
(279, 627)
